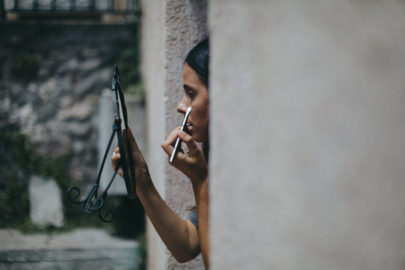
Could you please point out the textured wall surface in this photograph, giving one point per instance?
(52, 77)
(307, 134)
(154, 73)
(185, 26)
(170, 30)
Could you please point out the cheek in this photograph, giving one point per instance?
(205, 118)
(203, 121)
(201, 113)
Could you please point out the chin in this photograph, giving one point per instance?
(197, 138)
(199, 135)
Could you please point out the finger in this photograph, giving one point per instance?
(115, 160)
(168, 148)
(167, 145)
(171, 139)
(180, 158)
(192, 147)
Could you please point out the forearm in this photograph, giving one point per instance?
(202, 202)
(180, 236)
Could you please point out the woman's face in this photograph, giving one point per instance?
(195, 96)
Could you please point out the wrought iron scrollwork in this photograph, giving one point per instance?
(93, 203)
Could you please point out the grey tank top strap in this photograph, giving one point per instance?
(193, 217)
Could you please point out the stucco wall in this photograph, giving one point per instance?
(154, 73)
(170, 29)
(307, 134)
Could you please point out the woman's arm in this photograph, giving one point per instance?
(195, 167)
(202, 202)
(180, 236)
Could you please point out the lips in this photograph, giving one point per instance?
(188, 128)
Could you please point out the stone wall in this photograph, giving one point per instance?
(52, 77)
(307, 134)
(154, 73)
(52, 119)
(170, 30)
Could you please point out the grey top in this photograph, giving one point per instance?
(193, 217)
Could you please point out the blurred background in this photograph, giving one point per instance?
(56, 115)
(317, 87)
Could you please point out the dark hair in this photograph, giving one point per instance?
(198, 59)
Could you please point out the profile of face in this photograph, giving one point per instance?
(195, 96)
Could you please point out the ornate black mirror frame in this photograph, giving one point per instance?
(94, 203)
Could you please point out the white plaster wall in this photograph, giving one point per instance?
(169, 30)
(186, 25)
(154, 73)
(307, 161)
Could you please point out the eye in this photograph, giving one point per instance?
(191, 93)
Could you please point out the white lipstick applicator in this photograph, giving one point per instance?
(178, 141)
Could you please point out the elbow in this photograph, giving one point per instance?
(186, 256)
(182, 259)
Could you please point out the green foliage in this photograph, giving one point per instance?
(128, 61)
(137, 90)
(19, 160)
(130, 217)
(14, 204)
(130, 74)
(25, 66)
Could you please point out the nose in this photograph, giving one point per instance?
(182, 107)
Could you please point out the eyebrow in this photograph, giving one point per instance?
(188, 87)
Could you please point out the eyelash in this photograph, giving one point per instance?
(190, 93)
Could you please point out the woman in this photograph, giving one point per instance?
(184, 238)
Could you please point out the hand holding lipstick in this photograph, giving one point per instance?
(192, 163)
(177, 145)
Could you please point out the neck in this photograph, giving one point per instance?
(206, 149)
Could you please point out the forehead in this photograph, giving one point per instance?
(190, 77)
